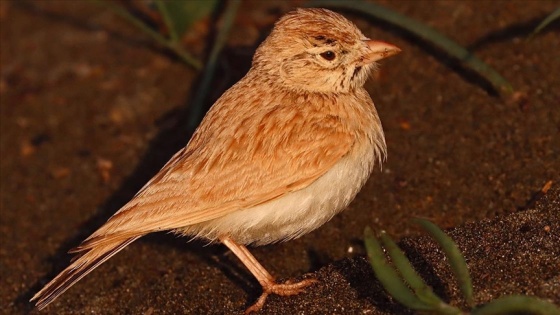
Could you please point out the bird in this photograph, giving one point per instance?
(278, 154)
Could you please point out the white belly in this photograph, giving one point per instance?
(298, 212)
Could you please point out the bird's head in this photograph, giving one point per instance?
(318, 50)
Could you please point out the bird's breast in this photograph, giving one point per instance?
(299, 212)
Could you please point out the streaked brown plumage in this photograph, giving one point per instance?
(279, 154)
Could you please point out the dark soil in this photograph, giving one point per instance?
(91, 109)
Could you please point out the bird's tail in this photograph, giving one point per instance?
(90, 254)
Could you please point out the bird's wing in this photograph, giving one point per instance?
(231, 165)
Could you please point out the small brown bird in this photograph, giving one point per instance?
(278, 155)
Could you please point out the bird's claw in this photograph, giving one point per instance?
(283, 289)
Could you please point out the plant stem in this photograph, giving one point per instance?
(173, 46)
(210, 69)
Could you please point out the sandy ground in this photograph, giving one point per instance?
(90, 110)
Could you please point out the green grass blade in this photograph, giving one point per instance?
(181, 15)
(422, 290)
(423, 31)
(177, 49)
(454, 256)
(388, 277)
(210, 69)
(549, 19)
(518, 304)
(168, 20)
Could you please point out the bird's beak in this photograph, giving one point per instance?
(379, 50)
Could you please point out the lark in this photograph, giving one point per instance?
(278, 155)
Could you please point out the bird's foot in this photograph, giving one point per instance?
(283, 289)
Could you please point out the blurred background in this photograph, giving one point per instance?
(95, 96)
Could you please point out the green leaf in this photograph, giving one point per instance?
(177, 49)
(179, 16)
(454, 256)
(388, 277)
(422, 290)
(423, 31)
(515, 304)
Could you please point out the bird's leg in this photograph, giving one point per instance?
(266, 280)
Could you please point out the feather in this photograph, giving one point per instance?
(83, 263)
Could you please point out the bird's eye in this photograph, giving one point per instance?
(328, 55)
